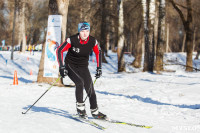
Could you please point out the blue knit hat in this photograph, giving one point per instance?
(83, 26)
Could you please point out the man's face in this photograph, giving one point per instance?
(84, 34)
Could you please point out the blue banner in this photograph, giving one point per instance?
(53, 40)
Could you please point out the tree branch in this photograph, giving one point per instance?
(179, 12)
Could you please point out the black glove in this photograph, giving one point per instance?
(63, 71)
(99, 72)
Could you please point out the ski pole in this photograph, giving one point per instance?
(89, 90)
(42, 95)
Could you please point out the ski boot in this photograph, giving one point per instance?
(81, 110)
(98, 115)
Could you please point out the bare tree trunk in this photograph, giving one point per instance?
(194, 37)
(103, 31)
(138, 52)
(23, 28)
(167, 39)
(107, 43)
(120, 46)
(87, 15)
(13, 31)
(108, 11)
(146, 32)
(63, 10)
(183, 45)
(161, 36)
(187, 23)
(131, 41)
(19, 24)
(156, 21)
(148, 35)
(114, 24)
(189, 37)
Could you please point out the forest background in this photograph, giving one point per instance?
(142, 28)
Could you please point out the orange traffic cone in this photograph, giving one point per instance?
(15, 82)
(31, 73)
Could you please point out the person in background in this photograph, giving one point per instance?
(198, 52)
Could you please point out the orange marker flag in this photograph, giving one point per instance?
(15, 80)
(31, 73)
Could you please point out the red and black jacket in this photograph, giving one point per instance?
(78, 51)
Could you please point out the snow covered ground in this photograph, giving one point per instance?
(169, 102)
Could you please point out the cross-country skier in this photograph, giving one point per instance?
(79, 47)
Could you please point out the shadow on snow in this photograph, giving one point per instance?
(20, 79)
(18, 65)
(148, 80)
(57, 112)
(149, 100)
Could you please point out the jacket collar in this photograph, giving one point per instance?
(83, 41)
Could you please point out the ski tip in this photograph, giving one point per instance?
(103, 128)
(148, 127)
(142, 126)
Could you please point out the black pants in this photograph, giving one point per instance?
(82, 79)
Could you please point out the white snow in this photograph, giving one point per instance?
(169, 102)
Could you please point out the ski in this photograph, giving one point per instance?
(87, 121)
(124, 123)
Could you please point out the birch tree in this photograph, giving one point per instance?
(13, 31)
(23, 24)
(160, 35)
(120, 45)
(19, 23)
(149, 16)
